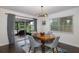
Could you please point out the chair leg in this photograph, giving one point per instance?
(29, 49)
(53, 50)
(56, 50)
(34, 50)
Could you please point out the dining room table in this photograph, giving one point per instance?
(44, 38)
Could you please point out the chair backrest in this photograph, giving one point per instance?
(31, 39)
(49, 33)
(22, 41)
(33, 42)
(55, 42)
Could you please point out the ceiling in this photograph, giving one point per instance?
(35, 10)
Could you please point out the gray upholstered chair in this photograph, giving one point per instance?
(24, 43)
(26, 47)
(53, 44)
(49, 33)
(33, 43)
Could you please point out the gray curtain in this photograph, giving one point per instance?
(10, 28)
(35, 24)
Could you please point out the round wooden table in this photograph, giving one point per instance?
(45, 38)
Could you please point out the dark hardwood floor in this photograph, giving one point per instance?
(10, 49)
(69, 48)
(15, 49)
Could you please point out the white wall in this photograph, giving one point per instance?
(3, 30)
(40, 27)
(68, 38)
(3, 24)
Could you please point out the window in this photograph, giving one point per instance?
(29, 27)
(63, 24)
(19, 25)
(32, 26)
